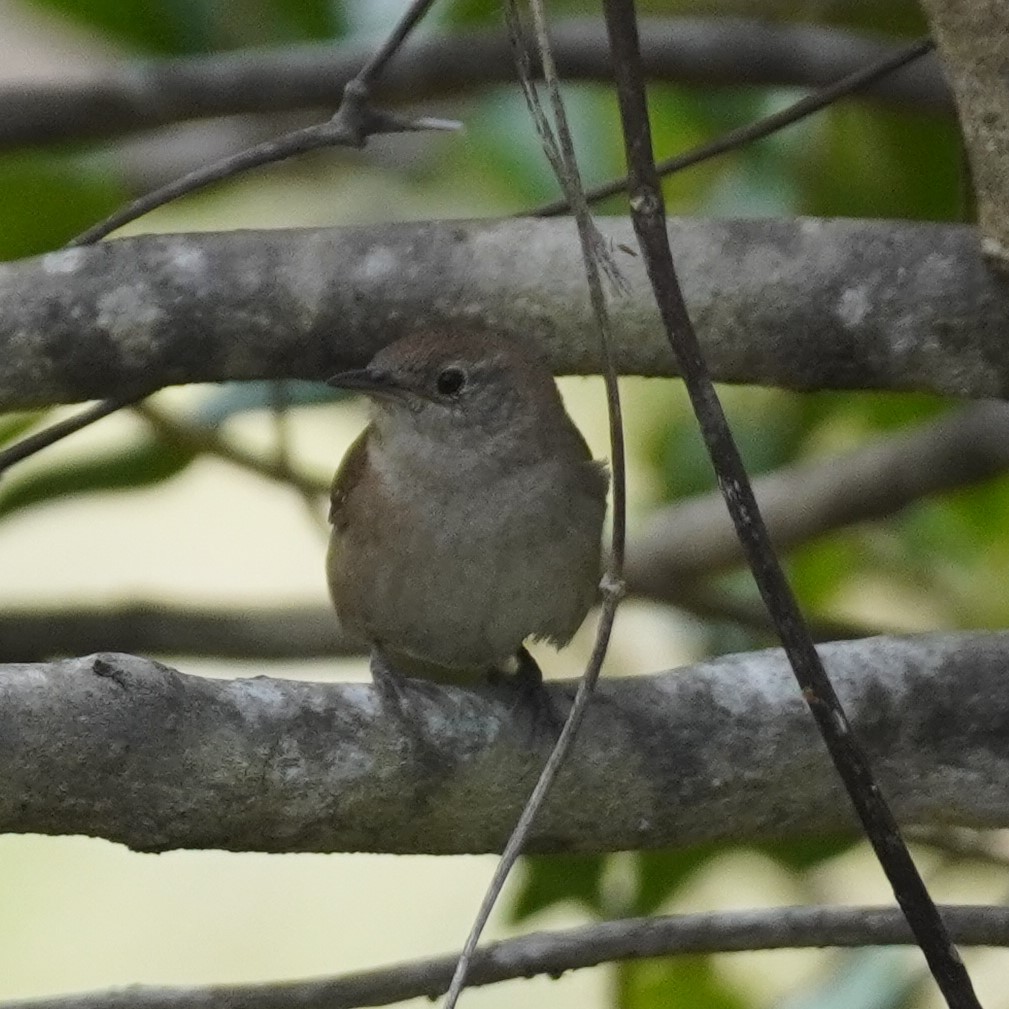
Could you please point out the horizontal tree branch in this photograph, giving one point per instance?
(802, 304)
(807, 499)
(151, 628)
(724, 51)
(263, 633)
(554, 953)
(127, 749)
(971, 39)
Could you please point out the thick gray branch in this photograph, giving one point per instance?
(142, 95)
(803, 304)
(126, 749)
(554, 953)
(972, 43)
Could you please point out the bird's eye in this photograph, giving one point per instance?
(451, 381)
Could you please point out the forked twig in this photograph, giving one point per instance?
(648, 216)
(298, 141)
(350, 126)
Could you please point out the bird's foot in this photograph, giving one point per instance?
(526, 680)
(389, 681)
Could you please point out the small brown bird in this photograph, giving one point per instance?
(467, 516)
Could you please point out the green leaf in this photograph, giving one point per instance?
(141, 464)
(170, 27)
(47, 200)
(310, 19)
(769, 427)
(183, 27)
(555, 879)
(802, 853)
(859, 166)
(479, 12)
(659, 874)
(13, 425)
(690, 982)
(818, 568)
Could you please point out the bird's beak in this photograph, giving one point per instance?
(368, 381)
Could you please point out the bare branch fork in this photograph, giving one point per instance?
(648, 215)
(350, 126)
(355, 95)
(145, 94)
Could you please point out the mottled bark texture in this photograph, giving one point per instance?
(973, 41)
(803, 304)
(123, 748)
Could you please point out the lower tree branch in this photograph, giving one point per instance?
(554, 953)
(123, 748)
(231, 632)
(807, 499)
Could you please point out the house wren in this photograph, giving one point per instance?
(467, 516)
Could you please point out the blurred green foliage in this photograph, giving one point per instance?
(47, 200)
(856, 159)
(181, 27)
(681, 982)
(145, 462)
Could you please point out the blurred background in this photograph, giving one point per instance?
(132, 513)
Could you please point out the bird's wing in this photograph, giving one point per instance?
(348, 476)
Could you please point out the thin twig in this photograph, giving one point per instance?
(559, 149)
(208, 442)
(350, 126)
(648, 216)
(743, 135)
(554, 953)
(35, 443)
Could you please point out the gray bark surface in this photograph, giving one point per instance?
(124, 748)
(802, 304)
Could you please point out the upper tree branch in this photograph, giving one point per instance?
(126, 749)
(803, 304)
(723, 51)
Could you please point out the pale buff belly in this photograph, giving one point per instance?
(467, 592)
